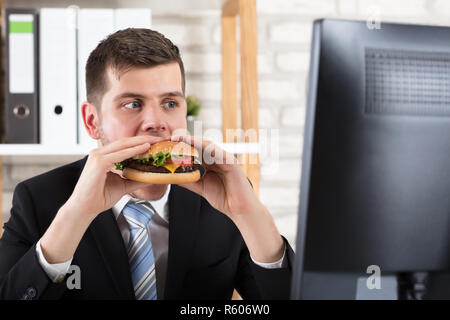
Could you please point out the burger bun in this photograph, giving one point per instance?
(161, 178)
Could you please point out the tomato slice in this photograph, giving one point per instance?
(182, 161)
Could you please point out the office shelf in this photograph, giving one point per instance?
(38, 149)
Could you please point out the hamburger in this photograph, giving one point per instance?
(166, 162)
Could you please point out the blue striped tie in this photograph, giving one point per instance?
(140, 251)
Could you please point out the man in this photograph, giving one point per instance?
(204, 239)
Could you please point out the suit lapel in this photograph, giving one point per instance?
(184, 213)
(107, 235)
(105, 231)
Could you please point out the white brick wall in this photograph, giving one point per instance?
(184, 35)
(291, 145)
(279, 197)
(268, 117)
(204, 89)
(394, 8)
(284, 35)
(202, 62)
(278, 90)
(290, 32)
(292, 61)
(293, 116)
(265, 64)
(296, 7)
(286, 171)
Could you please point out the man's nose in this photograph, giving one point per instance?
(153, 120)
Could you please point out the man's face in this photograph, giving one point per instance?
(144, 101)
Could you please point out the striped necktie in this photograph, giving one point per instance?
(140, 251)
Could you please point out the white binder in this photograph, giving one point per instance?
(94, 25)
(132, 18)
(58, 77)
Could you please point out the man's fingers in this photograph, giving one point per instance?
(127, 143)
(197, 142)
(124, 154)
(211, 154)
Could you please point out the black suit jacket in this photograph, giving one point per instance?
(207, 256)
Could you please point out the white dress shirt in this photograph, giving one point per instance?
(158, 230)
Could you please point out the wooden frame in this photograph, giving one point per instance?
(2, 106)
(246, 10)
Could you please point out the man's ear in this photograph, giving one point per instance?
(90, 119)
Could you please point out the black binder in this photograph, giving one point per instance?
(21, 114)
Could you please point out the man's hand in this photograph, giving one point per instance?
(225, 186)
(224, 183)
(97, 190)
(100, 186)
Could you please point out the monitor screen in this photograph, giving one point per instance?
(375, 186)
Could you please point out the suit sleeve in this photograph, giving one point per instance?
(255, 282)
(21, 275)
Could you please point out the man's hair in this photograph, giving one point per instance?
(124, 50)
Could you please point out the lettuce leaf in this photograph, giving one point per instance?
(160, 158)
(121, 165)
(157, 160)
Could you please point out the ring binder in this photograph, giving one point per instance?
(21, 76)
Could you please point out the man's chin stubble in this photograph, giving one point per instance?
(151, 192)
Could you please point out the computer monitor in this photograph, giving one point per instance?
(375, 185)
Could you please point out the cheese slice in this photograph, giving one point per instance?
(171, 167)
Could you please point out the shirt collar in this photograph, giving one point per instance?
(158, 205)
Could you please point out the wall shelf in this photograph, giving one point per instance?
(38, 149)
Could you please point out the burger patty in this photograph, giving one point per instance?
(151, 168)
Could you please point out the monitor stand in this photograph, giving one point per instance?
(402, 286)
(412, 285)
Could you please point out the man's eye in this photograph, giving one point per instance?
(170, 104)
(132, 105)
